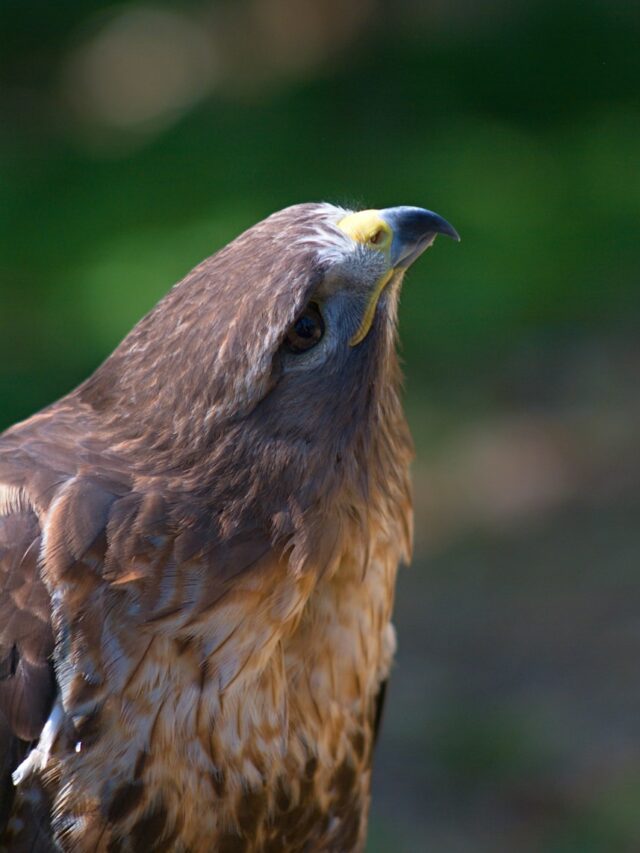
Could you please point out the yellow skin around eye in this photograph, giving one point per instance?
(368, 228)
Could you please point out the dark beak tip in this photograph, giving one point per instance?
(451, 232)
(441, 226)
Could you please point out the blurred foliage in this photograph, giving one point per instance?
(137, 138)
(520, 124)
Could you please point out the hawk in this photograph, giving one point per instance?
(198, 552)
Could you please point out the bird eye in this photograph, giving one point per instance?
(307, 330)
(376, 237)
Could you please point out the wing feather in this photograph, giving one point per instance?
(27, 684)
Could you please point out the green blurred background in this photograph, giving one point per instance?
(137, 138)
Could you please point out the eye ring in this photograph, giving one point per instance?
(306, 331)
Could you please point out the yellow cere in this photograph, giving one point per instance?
(368, 228)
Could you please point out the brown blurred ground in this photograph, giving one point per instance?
(513, 721)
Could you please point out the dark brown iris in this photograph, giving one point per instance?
(307, 330)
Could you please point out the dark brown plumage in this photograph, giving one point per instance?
(198, 551)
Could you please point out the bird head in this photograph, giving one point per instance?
(334, 291)
(305, 301)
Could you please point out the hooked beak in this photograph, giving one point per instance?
(402, 234)
(414, 229)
